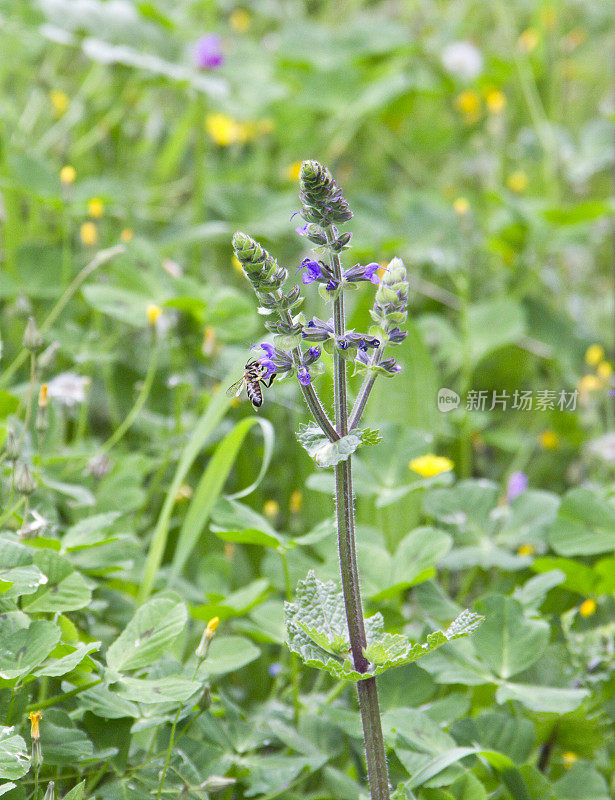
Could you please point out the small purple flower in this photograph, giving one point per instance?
(302, 229)
(208, 52)
(397, 336)
(274, 669)
(517, 484)
(268, 348)
(304, 376)
(313, 271)
(270, 366)
(314, 352)
(363, 273)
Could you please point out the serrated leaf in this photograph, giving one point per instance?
(14, 760)
(155, 625)
(317, 631)
(328, 454)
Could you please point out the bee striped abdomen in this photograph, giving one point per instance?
(255, 393)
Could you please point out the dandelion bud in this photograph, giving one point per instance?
(32, 339)
(98, 466)
(47, 356)
(153, 314)
(50, 794)
(11, 449)
(208, 635)
(217, 782)
(36, 759)
(24, 481)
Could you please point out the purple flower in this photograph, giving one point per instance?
(304, 376)
(517, 484)
(314, 352)
(397, 336)
(208, 52)
(268, 348)
(313, 271)
(270, 366)
(302, 229)
(363, 273)
(274, 669)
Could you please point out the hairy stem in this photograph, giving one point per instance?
(368, 693)
(364, 392)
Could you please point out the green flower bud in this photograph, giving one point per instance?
(24, 481)
(36, 759)
(32, 339)
(50, 794)
(322, 199)
(11, 448)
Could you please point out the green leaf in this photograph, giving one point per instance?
(544, 699)
(228, 654)
(100, 700)
(587, 211)
(235, 604)
(63, 743)
(585, 525)
(157, 690)
(494, 323)
(54, 667)
(149, 634)
(384, 575)
(328, 454)
(582, 782)
(8, 402)
(211, 484)
(14, 760)
(317, 631)
(509, 642)
(26, 648)
(76, 793)
(204, 429)
(65, 590)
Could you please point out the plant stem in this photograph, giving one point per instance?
(368, 693)
(364, 393)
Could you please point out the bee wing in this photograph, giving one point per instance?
(235, 389)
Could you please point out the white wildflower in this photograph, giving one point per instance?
(463, 60)
(68, 388)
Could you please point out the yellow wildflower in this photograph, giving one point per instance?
(461, 206)
(153, 313)
(569, 758)
(292, 171)
(594, 354)
(208, 634)
(43, 397)
(296, 501)
(271, 509)
(236, 263)
(67, 175)
(59, 101)
(496, 101)
(589, 383)
(240, 20)
(35, 718)
(96, 208)
(468, 103)
(587, 607)
(604, 370)
(428, 466)
(184, 492)
(224, 130)
(126, 235)
(517, 182)
(549, 440)
(212, 626)
(526, 550)
(528, 40)
(89, 234)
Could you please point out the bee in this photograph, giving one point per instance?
(253, 376)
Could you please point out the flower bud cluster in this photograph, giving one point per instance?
(391, 303)
(321, 198)
(265, 274)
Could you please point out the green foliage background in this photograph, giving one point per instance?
(496, 192)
